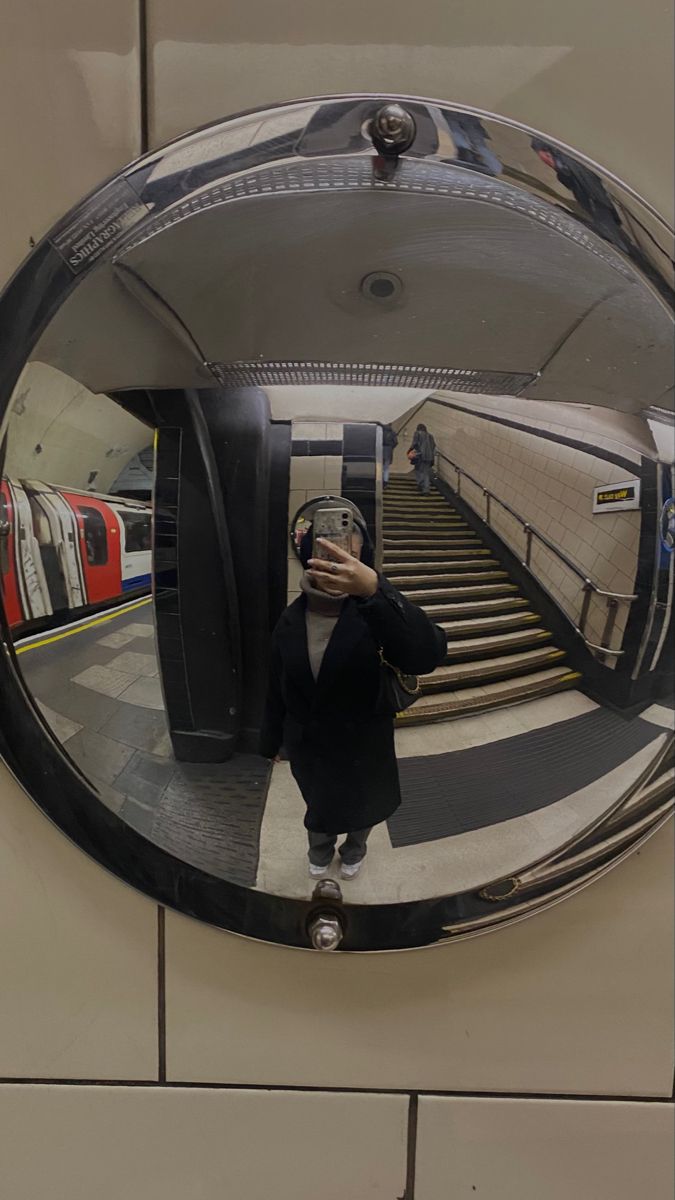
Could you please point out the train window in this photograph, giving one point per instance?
(95, 537)
(136, 532)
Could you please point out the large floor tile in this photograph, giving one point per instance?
(575, 1000)
(150, 1144)
(78, 995)
(543, 1150)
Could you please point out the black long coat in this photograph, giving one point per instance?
(340, 750)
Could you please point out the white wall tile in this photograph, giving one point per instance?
(78, 997)
(77, 1143)
(543, 1150)
(69, 87)
(516, 466)
(575, 1000)
(307, 472)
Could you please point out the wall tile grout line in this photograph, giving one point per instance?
(161, 995)
(209, 1086)
(411, 1159)
(143, 115)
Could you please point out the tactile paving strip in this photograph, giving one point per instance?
(448, 794)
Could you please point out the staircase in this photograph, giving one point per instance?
(499, 652)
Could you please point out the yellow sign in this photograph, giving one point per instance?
(617, 496)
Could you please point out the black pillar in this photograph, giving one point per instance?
(243, 446)
(280, 471)
(196, 605)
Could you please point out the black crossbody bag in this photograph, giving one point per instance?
(397, 690)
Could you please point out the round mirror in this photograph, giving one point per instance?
(336, 523)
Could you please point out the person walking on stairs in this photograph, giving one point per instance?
(389, 444)
(421, 455)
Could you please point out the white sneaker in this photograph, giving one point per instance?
(318, 872)
(350, 870)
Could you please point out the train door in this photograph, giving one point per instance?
(8, 579)
(30, 575)
(136, 549)
(57, 532)
(99, 537)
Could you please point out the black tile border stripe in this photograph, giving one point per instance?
(311, 446)
(632, 468)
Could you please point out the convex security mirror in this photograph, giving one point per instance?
(456, 333)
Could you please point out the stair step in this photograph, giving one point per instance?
(434, 595)
(426, 504)
(426, 531)
(435, 517)
(497, 643)
(424, 582)
(417, 538)
(468, 607)
(433, 542)
(413, 522)
(421, 559)
(430, 539)
(422, 527)
(500, 667)
(429, 571)
(441, 707)
(496, 622)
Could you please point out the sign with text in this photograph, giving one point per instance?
(617, 497)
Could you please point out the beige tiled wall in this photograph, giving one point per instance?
(61, 433)
(561, 68)
(552, 1150)
(577, 999)
(81, 1143)
(69, 110)
(78, 958)
(551, 486)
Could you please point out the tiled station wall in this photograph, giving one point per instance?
(163, 1059)
(311, 475)
(550, 484)
(61, 433)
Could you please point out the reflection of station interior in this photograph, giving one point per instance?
(554, 699)
(271, 295)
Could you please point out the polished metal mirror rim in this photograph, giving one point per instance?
(30, 300)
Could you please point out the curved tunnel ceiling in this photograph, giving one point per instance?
(267, 268)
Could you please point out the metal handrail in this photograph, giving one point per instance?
(589, 586)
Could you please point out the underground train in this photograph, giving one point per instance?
(65, 552)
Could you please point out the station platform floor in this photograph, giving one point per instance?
(483, 796)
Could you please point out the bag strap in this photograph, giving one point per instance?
(400, 675)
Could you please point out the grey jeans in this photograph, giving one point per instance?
(322, 847)
(423, 476)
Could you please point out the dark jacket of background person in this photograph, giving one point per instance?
(424, 445)
(341, 752)
(389, 443)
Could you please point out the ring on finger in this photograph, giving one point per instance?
(334, 568)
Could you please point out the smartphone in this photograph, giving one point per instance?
(336, 524)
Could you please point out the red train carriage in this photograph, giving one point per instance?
(65, 552)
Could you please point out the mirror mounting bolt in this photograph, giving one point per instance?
(392, 130)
